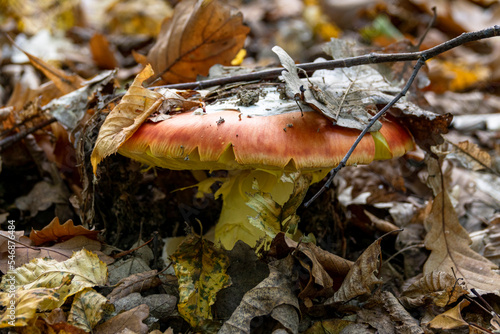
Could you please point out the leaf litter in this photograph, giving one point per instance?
(305, 286)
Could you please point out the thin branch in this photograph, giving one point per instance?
(372, 58)
(423, 57)
(9, 141)
(375, 118)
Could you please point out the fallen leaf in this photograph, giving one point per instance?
(85, 268)
(470, 156)
(26, 304)
(200, 34)
(405, 322)
(25, 252)
(450, 319)
(121, 123)
(57, 232)
(71, 108)
(88, 308)
(41, 197)
(273, 296)
(362, 276)
(342, 97)
(135, 283)
(449, 244)
(64, 82)
(439, 287)
(127, 322)
(327, 270)
(201, 271)
(101, 52)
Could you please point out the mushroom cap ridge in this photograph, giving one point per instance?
(229, 140)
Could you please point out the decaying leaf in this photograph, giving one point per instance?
(442, 288)
(406, 323)
(88, 308)
(470, 156)
(84, 268)
(26, 304)
(135, 283)
(273, 296)
(450, 252)
(69, 109)
(57, 232)
(450, 319)
(327, 270)
(121, 123)
(201, 271)
(130, 321)
(362, 276)
(201, 33)
(344, 95)
(43, 195)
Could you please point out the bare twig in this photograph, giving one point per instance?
(372, 58)
(9, 141)
(423, 56)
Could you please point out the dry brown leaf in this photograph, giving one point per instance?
(135, 283)
(64, 82)
(362, 276)
(102, 53)
(406, 323)
(273, 296)
(121, 123)
(450, 319)
(201, 33)
(129, 320)
(57, 232)
(470, 156)
(450, 252)
(327, 270)
(442, 288)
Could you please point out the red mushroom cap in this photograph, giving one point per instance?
(230, 140)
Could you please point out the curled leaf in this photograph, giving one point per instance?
(121, 123)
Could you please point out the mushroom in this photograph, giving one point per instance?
(265, 148)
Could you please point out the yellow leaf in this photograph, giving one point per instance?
(23, 307)
(121, 123)
(84, 268)
(201, 271)
(201, 33)
(88, 309)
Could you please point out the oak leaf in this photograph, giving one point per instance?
(201, 33)
(57, 232)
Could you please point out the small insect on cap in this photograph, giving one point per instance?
(287, 141)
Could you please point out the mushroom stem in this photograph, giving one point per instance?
(276, 199)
